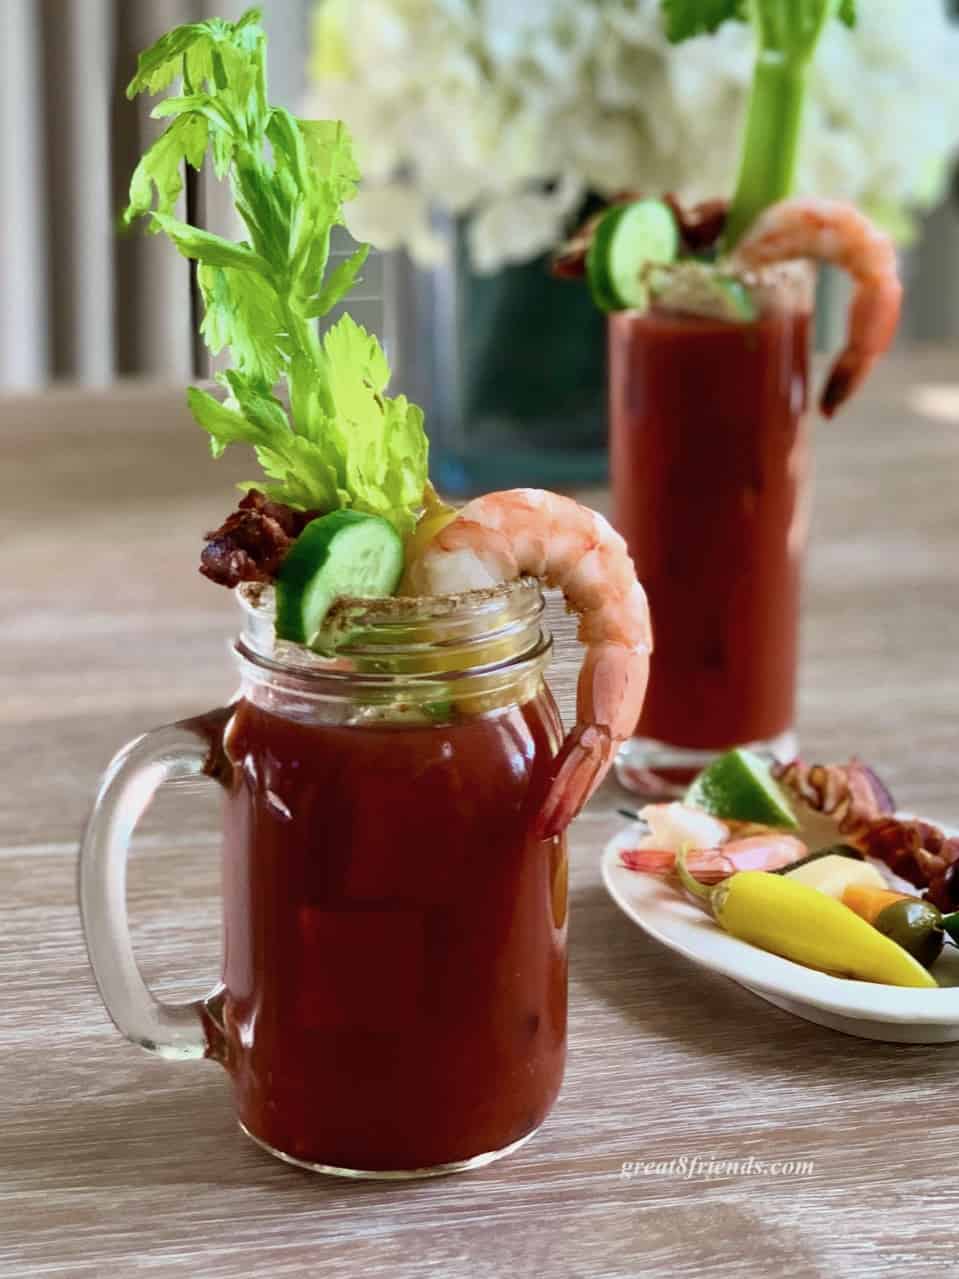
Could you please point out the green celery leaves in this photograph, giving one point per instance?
(343, 441)
(686, 18)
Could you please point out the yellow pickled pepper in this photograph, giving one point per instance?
(800, 923)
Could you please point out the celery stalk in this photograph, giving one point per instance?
(787, 33)
(767, 168)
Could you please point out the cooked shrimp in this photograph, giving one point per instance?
(675, 826)
(506, 535)
(755, 852)
(831, 231)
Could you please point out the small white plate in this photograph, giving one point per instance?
(853, 1007)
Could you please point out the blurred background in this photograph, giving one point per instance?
(485, 128)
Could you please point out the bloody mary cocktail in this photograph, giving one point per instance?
(709, 459)
(395, 935)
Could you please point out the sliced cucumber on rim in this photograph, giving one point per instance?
(628, 237)
(343, 553)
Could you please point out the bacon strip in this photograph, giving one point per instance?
(253, 542)
(852, 794)
(864, 811)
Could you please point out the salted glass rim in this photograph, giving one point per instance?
(367, 632)
(787, 286)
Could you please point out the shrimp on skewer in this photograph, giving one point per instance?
(506, 535)
(832, 231)
(755, 852)
(715, 848)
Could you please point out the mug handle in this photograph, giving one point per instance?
(193, 748)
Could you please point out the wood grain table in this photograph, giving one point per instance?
(116, 1164)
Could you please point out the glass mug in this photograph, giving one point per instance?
(393, 995)
(710, 465)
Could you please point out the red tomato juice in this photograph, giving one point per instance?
(395, 939)
(709, 458)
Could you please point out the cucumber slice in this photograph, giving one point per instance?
(629, 236)
(740, 787)
(343, 553)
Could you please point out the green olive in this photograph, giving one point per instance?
(916, 926)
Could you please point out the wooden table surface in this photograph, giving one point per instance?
(115, 1164)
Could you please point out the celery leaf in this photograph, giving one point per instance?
(339, 284)
(343, 442)
(687, 18)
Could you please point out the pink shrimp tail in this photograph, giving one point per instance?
(832, 231)
(764, 852)
(710, 865)
(578, 770)
(609, 698)
(875, 326)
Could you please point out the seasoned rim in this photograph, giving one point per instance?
(364, 635)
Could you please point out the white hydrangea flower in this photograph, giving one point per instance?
(507, 112)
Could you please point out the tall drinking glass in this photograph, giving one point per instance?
(710, 473)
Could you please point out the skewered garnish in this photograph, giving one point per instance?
(715, 849)
(915, 924)
(833, 850)
(833, 874)
(770, 852)
(861, 809)
(825, 802)
(788, 918)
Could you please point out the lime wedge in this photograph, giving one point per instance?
(739, 787)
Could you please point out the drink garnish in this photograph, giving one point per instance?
(859, 806)
(627, 239)
(698, 288)
(343, 553)
(792, 919)
(341, 442)
(739, 786)
(787, 33)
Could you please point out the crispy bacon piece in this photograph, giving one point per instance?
(700, 226)
(851, 794)
(917, 851)
(864, 812)
(252, 543)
